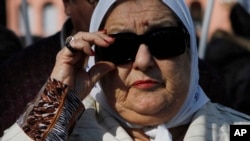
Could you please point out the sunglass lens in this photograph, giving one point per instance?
(166, 43)
(163, 43)
(122, 51)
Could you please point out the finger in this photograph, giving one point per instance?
(66, 64)
(85, 81)
(103, 34)
(66, 56)
(99, 38)
(84, 41)
(99, 70)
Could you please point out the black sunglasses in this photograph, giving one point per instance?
(163, 43)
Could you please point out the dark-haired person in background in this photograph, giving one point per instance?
(9, 43)
(23, 74)
(229, 54)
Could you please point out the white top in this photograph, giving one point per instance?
(211, 122)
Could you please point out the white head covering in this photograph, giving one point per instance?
(196, 97)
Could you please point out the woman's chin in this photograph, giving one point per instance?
(147, 105)
(148, 108)
(144, 118)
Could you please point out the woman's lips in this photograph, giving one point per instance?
(144, 84)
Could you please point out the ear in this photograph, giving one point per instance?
(67, 9)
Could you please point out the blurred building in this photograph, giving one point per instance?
(45, 17)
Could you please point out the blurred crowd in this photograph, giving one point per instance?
(229, 54)
(224, 71)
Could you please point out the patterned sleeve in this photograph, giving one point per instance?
(52, 114)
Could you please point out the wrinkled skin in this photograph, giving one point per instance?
(159, 100)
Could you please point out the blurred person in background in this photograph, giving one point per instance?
(229, 53)
(9, 43)
(23, 74)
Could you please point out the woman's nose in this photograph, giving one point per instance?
(143, 59)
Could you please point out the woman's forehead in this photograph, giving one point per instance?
(133, 15)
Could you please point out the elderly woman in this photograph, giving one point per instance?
(139, 83)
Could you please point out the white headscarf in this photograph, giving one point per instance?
(196, 98)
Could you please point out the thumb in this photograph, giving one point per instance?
(99, 70)
(86, 80)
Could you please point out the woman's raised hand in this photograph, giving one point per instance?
(69, 67)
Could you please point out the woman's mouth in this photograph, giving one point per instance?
(145, 84)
